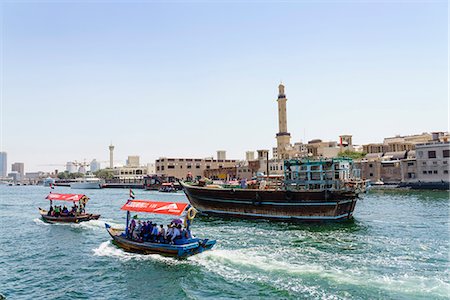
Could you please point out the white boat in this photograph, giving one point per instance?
(88, 182)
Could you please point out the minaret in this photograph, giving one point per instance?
(283, 137)
(111, 156)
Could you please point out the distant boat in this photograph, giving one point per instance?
(88, 182)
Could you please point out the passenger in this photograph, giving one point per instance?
(144, 231)
(137, 232)
(131, 229)
(176, 234)
(57, 211)
(169, 232)
(50, 211)
(155, 232)
(161, 234)
(65, 211)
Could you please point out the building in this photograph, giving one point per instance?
(71, 167)
(3, 164)
(319, 149)
(18, 167)
(94, 165)
(133, 161)
(130, 174)
(180, 167)
(433, 160)
(15, 176)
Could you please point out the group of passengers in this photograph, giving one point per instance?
(58, 211)
(148, 231)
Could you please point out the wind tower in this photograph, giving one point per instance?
(283, 136)
(111, 156)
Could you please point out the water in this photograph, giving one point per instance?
(396, 248)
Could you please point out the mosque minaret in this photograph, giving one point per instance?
(283, 136)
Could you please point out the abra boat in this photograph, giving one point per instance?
(181, 248)
(77, 216)
(320, 190)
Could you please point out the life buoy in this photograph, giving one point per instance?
(191, 213)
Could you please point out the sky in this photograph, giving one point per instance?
(184, 79)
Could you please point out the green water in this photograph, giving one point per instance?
(397, 247)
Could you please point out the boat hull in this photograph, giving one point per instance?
(179, 251)
(85, 185)
(68, 219)
(301, 206)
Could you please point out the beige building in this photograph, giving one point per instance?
(433, 161)
(180, 167)
(133, 161)
(19, 168)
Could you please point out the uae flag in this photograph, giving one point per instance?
(131, 194)
(52, 186)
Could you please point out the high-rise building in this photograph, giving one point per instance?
(94, 165)
(19, 168)
(3, 164)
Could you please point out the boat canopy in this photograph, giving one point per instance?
(167, 184)
(65, 197)
(156, 207)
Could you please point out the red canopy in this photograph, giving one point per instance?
(156, 207)
(65, 197)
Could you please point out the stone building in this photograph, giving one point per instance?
(180, 167)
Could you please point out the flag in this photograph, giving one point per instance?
(131, 194)
(52, 186)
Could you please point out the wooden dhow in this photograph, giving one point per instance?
(311, 190)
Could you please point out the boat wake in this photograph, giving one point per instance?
(107, 249)
(272, 270)
(97, 224)
(39, 221)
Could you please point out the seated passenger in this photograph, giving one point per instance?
(131, 229)
(176, 233)
(169, 232)
(161, 234)
(57, 211)
(137, 231)
(155, 232)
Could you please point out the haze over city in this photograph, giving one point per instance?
(187, 79)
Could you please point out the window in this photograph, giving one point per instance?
(445, 162)
(170, 159)
(434, 162)
(420, 154)
(445, 171)
(189, 166)
(446, 153)
(197, 167)
(431, 154)
(410, 164)
(181, 167)
(430, 172)
(170, 167)
(208, 167)
(370, 165)
(435, 172)
(371, 174)
(157, 168)
(424, 172)
(424, 163)
(162, 168)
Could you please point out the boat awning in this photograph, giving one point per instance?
(155, 207)
(65, 197)
(167, 184)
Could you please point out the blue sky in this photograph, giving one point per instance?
(186, 79)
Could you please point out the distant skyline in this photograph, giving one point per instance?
(187, 79)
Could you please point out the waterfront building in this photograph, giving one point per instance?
(126, 173)
(15, 176)
(319, 149)
(433, 160)
(18, 167)
(180, 167)
(3, 164)
(94, 165)
(133, 161)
